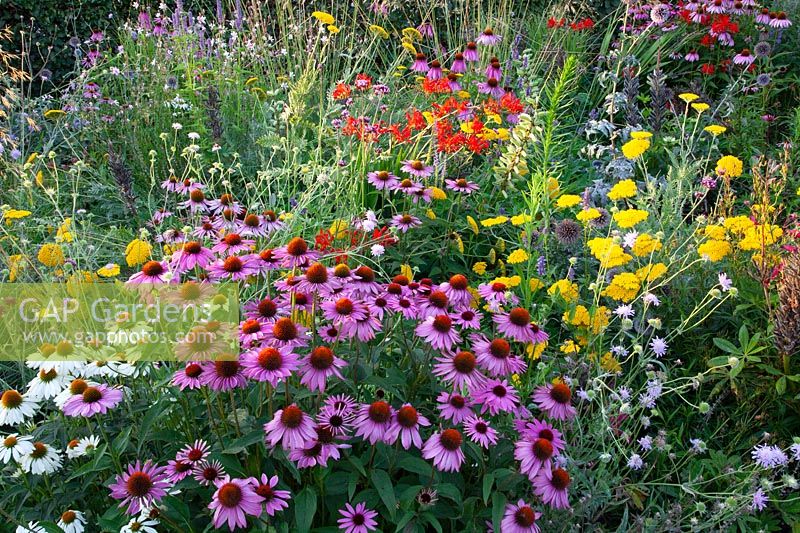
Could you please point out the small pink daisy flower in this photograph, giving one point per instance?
(439, 332)
(93, 400)
(553, 489)
(468, 318)
(178, 469)
(406, 424)
(555, 401)
(405, 222)
(520, 518)
(461, 185)
(140, 487)
(208, 472)
(233, 500)
(479, 431)
(444, 449)
(274, 500)
(491, 87)
(357, 519)
(291, 427)
(320, 364)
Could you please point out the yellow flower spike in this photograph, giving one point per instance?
(473, 225)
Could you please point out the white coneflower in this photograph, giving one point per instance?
(87, 445)
(42, 460)
(32, 527)
(47, 384)
(15, 446)
(72, 521)
(16, 407)
(140, 525)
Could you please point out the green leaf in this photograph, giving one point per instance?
(382, 483)
(780, 385)
(726, 346)
(488, 481)
(498, 508)
(304, 508)
(415, 464)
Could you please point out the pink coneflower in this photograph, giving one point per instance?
(425, 195)
(272, 364)
(717, 7)
(458, 66)
(535, 456)
(491, 87)
(286, 332)
(357, 519)
(265, 310)
(495, 356)
(454, 407)
(537, 429)
(405, 307)
(208, 472)
(520, 518)
(692, 56)
(178, 469)
(152, 272)
(459, 370)
(320, 364)
(493, 69)
(342, 402)
(478, 430)
(488, 38)
(196, 203)
(296, 254)
(271, 221)
(195, 452)
(496, 294)
(406, 424)
(337, 420)
(233, 267)
(439, 332)
(416, 168)
(444, 449)
(763, 16)
(517, 325)
(191, 254)
(224, 202)
(343, 309)
(433, 304)
(555, 401)
(374, 421)
(232, 244)
(363, 283)
(225, 375)
(553, 489)
(93, 400)
(471, 52)
(206, 230)
(780, 20)
(409, 187)
(330, 334)
(253, 225)
(171, 184)
(377, 306)
(316, 280)
(467, 318)
(462, 185)
(435, 71)
(457, 290)
(452, 82)
(420, 63)
(496, 396)
(233, 500)
(383, 180)
(744, 58)
(140, 487)
(405, 222)
(251, 331)
(291, 427)
(274, 500)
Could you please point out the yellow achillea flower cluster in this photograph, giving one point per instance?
(15, 214)
(438, 194)
(635, 148)
(519, 220)
(64, 232)
(564, 288)
(569, 347)
(628, 218)
(651, 272)
(645, 245)
(568, 200)
(738, 225)
(587, 215)
(494, 221)
(610, 364)
(700, 107)
(715, 129)
(609, 253)
(51, 255)
(622, 189)
(730, 166)
(714, 250)
(508, 281)
(479, 268)
(714, 231)
(688, 97)
(535, 284)
(109, 271)
(582, 318)
(137, 252)
(757, 237)
(517, 256)
(323, 17)
(623, 287)
(379, 31)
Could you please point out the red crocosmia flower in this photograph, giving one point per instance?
(476, 144)
(490, 105)
(400, 134)
(553, 23)
(511, 104)
(323, 240)
(440, 86)
(416, 120)
(708, 69)
(341, 91)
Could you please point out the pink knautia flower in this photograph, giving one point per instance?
(266, 310)
(233, 267)
(454, 407)
(434, 71)
(373, 422)
(233, 500)
(553, 489)
(251, 331)
(779, 20)
(420, 63)
(493, 69)
(225, 375)
(457, 291)
(433, 304)
(496, 396)
(93, 400)
(491, 87)
(495, 356)
(458, 66)
(537, 429)
(459, 370)
(479, 431)
(196, 203)
(192, 254)
(467, 318)
(424, 195)
(488, 38)
(142, 485)
(291, 427)
(439, 332)
(357, 519)
(343, 309)
(405, 424)
(272, 364)
(517, 325)
(337, 420)
(232, 244)
(405, 222)
(555, 400)
(444, 449)
(409, 187)
(208, 472)
(252, 225)
(383, 180)
(471, 52)
(195, 452)
(535, 456)
(274, 500)
(692, 56)
(520, 518)
(462, 185)
(406, 307)
(320, 364)
(296, 254)
(285, 332)
(316, 280)
(153, 272)
(178, 469)
(416, 168)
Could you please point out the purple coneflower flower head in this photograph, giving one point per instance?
(178, 469)
(316, 280)
(357, 519)
(363, 329)
(409, 187)
(152, 272)
(140, 486)
(459, 370)
(291, 427)
(285, 332)
(420, 63)
(194, 453)
(461, 185)
(495, 356)
(274, 500)
(192, 254)
(520, 518)
(458, 66)
(208, 472)
(320, 364)
(471, 52)
(271, 221)
(452, 82)
(439, 332)
(416, 168)
(405, 424)
(296, 254)
(692, 56)
(196, 203)
(272, 364)
(744, 58)
(454, 407)
(225, 374)
(479, 431)
(496, 396)
(363, 284)
(405, 222)
(435, 70)
(444, 449)
(232, 244)
(252, 225)
(337, 420)
(553, 489)
(535, 456)
(517, 325)
(493, 69)
(93, 400)
(780, 20)
(467, 318)
(374, 421)
(537, 429)
(383, 179)
(488, 38)
(343, 309)
(491, 87)
(457, 291)
(433, 304)
(233, 500)
(233, 267)
(555, 400)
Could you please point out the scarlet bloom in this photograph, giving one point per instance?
(341, 91)
(363, 82)
(708, 69)
(440, 86)
(553, 23)
(416, 120)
